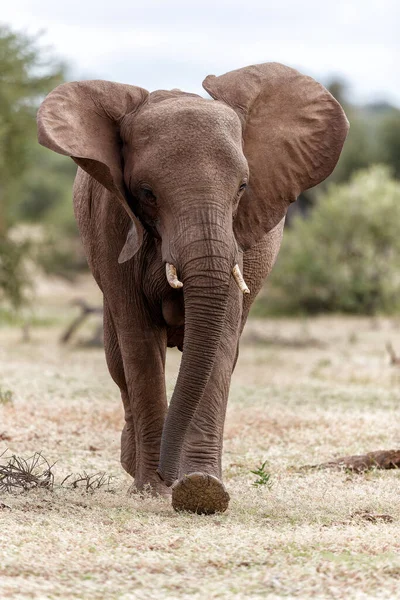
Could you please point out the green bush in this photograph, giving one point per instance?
(346, 255)
(14, 278)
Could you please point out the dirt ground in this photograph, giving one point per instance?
(305, 391)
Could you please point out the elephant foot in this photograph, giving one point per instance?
(150, 484)
(200, 493)
(153, 489)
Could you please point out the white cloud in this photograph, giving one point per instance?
(156, 43)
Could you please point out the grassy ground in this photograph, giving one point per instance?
(304, 392)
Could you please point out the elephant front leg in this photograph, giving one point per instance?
(200, 488)
(128, 441)
(144, 359)
(116, 367)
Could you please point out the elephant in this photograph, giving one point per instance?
(180, 202)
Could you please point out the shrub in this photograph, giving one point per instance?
(6, 396)
(14, 278)
(346, 255)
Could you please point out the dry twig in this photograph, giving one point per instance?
(86, 310)
(382, 459)
(19, 474)
(394, 359)
(89, 483)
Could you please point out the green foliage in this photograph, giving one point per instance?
(46, 199)
(14, 278)
(6, 396)
(346, 255)
(357, 151)
(26, 74)
(388, 137)
(47, 186)
(264, 478)
(373, 138)
(61, 254)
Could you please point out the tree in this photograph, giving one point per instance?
(26, 75)
(389, 141)
(346, 255)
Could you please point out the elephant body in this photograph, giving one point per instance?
(170, 178)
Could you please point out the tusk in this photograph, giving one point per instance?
(172, 276)
(239, 280)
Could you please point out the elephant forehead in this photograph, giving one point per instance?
(182, 120)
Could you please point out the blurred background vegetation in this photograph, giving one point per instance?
(37, 229)
(341, 250)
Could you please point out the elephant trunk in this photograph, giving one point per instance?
(206, 272)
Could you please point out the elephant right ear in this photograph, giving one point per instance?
(81, 119)
(293, 133)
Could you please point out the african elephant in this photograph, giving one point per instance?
(180, 203)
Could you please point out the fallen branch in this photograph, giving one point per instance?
(86, 310)
(89, 483)
(253, 337)
(381, 459)
(394, 359)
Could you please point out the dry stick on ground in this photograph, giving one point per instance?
(253, 337)
(19, 474)
(382, 459)
(26, 333)
(89, 483)
(394, 359)
(86, 310)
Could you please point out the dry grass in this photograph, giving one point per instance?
(303, 393)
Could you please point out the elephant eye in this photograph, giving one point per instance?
(242, 187)
(147, 195)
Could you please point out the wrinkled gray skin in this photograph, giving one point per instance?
(199, 191)
(185, 172)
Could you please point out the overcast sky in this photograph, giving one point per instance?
(176, 43)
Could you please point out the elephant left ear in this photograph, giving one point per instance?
(82, 119)
(293, 133)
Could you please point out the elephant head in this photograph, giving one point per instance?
(208, 178)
